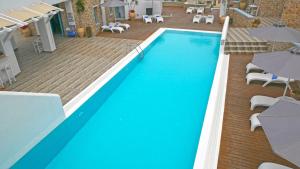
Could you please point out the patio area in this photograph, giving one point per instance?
(177, 18)
(241, 148)
(72, 67)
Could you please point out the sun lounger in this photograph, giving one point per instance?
(200, 10)
(265, 101)
(254, 122)
(147, 19)
(269, 165)
(159, 18)
(189, 10)
(267, 78)
(251, 66)
(209, 19)
(197, 18)
(119, 24)
(112, 28)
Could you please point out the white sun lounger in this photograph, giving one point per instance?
(269, 165)
(209, 19)
(123, 25)
(189, 10)
(267, 78)
(197, 18)
(250, 66)
(254, 121)
(265, 101)
(200, 10)
(147, 19)
(112, 28)
(159, 18)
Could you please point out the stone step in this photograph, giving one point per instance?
(246, 43)
(246, 48)
(237, 51)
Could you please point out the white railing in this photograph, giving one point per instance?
(209, 143)
(25, 119)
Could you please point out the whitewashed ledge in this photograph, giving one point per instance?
(243, 13)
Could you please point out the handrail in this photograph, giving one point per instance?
(137, 46)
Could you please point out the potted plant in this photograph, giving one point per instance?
(80, 7)
(25, 31)
(243, 4)
(132, 13)
(255, 23)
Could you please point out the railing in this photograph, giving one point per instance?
(209, 144)
(26, 118)
(137, 47)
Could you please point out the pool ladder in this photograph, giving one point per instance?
(137, 47)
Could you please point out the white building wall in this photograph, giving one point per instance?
(140, 8)
(26, 118)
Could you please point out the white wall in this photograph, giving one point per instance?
(25, 118)
(140, 8)
(210, 139)
(13, 4)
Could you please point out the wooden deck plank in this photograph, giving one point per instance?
(241, 148)
(72, 67)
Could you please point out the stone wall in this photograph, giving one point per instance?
(87, 18)
(270, 8)
(239, 20)
(291, 13)
(172, 4)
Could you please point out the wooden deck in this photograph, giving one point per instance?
(179, 19)
(240, 148)
(74, 65)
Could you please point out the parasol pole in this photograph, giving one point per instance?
(286, 87)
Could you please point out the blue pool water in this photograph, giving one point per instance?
(148, 117)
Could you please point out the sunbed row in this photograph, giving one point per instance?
(259, 100)
(199, 10)
(207, 19)
(264, 101)
(149, 19)
(115, 26)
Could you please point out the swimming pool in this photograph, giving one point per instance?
(149, 115)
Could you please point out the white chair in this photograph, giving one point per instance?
(200, 10)
(7, 70)
(209, 19)
(112, 28)
(267, 78)
(37, 45)
(265, 101)
(197, 18)
(269, 165)
(254, 121)
(250, 67)
(147, 19)
(159, 18)
(190, 10)
(1, 82)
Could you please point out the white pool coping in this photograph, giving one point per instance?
(204, 141)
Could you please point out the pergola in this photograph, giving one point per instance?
(38, 13)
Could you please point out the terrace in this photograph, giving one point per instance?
(177, 19)
(78, 62)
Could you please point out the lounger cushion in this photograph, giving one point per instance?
(269, 165)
